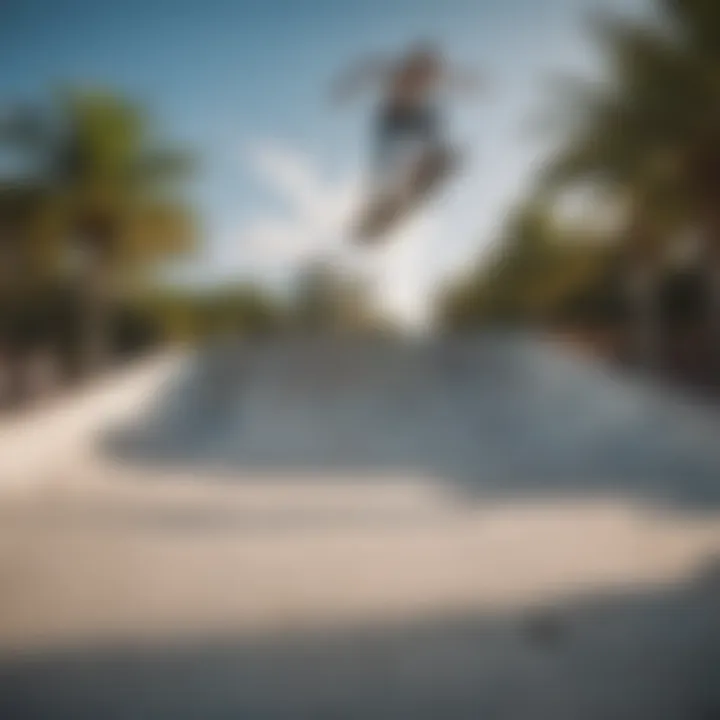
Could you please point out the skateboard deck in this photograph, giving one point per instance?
(383, 213)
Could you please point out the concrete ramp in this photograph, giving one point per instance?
(494, 415)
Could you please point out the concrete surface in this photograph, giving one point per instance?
(478, 528)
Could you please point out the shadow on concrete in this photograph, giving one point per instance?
(652, 654)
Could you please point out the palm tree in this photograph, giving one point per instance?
(110, 205)
(633, 138)
(696, 25)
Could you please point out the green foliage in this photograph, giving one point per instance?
(648, 135)
(102, 184)
(326, 300)
(652, 132)
(538, 273)
(95, 202)
(194, 316)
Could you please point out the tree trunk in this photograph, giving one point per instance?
(12, 365)
(95, 312)
(713, 291)
(704, 172)
(98, 235)
(644, 326)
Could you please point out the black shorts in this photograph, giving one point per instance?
(418, 122)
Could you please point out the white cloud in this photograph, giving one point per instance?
(317, 211)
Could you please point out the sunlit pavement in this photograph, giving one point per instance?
(487, 528)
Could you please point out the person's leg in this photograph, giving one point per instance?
(439, 156)
(430, 128)
(389, 132)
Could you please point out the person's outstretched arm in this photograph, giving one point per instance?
(371, 71)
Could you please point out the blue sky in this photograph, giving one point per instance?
(244, 84)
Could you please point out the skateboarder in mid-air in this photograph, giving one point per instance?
(410, 153)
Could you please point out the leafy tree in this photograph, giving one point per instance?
(110, 211)
(538, 272)
(650, 134)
